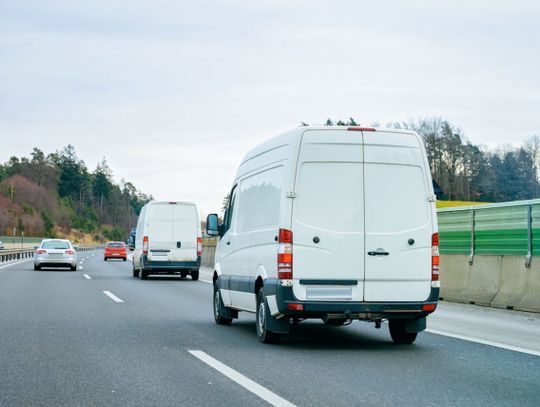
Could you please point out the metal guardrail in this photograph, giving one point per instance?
(21, 254)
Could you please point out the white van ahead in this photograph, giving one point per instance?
(167, 240)
(337, 223)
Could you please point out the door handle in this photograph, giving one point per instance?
(378, 252)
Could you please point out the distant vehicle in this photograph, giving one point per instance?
(115, 250)
(336, 223)
(131, 240)
(1, 245)
(55, 253)
(168, 240)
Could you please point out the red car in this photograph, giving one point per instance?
(115, 250)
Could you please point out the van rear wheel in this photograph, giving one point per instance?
(143, 275)
(218, 308)
(195, 275)
(261, 324)
(135, 272)
(398, 333)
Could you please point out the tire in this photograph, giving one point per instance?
(135, 272)
(104, 259)
(37, 268)
(335, 322)
(218, 307)
(124, 259)
(73, 268)
(194, 275)
(398, 334)
(143, 275)
(262, 314)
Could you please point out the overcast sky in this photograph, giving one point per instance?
(173, 93)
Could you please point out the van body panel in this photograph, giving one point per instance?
(328, 214)
(397, 210)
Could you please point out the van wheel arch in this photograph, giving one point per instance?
(258, 285)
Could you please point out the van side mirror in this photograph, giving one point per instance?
(212, 225)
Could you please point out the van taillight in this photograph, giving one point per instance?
(199, 246)
(145, 245)
(285, 254)
(435, 258)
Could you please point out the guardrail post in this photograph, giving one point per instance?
(528, 257)
(471, 255)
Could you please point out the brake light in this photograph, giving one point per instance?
(285, 254)
(295, 307)
(435, 257)
(41, 251)
(361, 128)
(199, 246)
(70, 252)
(429, 307)
(145, 245)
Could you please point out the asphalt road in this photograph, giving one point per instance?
(64, 342)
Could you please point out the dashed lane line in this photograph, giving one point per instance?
(242, 380)
(87, 277)
(113, 297)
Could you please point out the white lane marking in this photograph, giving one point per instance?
(242, 380)
(15, 263)
(81, 262)
(80, 267)
(87, 277)
(112, 296)
(485, 342)
(206, 281)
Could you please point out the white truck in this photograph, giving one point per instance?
(168, 240)
(337, 223)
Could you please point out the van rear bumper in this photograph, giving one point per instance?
(285, 299)
(170, 266)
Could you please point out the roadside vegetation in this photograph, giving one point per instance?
(57, 195)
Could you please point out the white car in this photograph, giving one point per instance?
(168, 240)
(337, 223)
(2, 247)
(55, 253)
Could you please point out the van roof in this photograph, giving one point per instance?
(293, 136)
(170, 203)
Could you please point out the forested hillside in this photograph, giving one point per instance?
(57, 195)
(469, 172)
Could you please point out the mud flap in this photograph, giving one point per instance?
(279, 326)
(414, 325)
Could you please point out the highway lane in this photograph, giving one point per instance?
(64, 342)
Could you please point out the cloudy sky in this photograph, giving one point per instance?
(173, 93)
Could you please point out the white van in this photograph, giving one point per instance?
(168, 240)
(336, 223)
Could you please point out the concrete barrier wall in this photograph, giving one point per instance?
(496, 281)
(208, 252)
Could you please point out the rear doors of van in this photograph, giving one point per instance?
(172, 229)
(361, 199)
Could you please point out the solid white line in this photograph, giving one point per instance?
(87, 277)
(112, 296)
(485, 342)
(206, 281)
(15, 263)
(242, 380)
